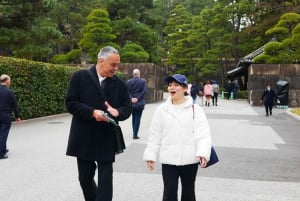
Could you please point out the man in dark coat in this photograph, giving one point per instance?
(269, 97)
(137, 88)
(8, 103)
(229, 88)
(93, 92)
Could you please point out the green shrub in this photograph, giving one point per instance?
(121, 75)
(40, 87)
(74, 56)
(59, 59)
(133, 52)
(71, 57)
(242, 94)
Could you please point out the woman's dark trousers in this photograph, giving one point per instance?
(187, 175)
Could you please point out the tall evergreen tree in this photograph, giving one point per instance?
(24, 32)
(97, 33)
(285, 49)
(177, 31)
(69, 17)
(129, 31)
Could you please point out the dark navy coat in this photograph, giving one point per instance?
(8, 103)
(269, 97)
(89, 139)
(137, 88)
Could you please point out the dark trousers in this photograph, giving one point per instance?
(4, 130)
(228, 94)
(215, 99)
(187, 175)
(136, 121)
(91, 191)
(268, 108)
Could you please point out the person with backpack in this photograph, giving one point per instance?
(216, 91)
(194, 91)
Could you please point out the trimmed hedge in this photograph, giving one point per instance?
(242, 94)
(40, 87)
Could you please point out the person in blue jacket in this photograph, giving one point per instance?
(137, 88)
(8, 103)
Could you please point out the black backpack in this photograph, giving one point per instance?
(194, 90)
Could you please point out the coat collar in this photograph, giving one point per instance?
(94, 76)
(187, 103)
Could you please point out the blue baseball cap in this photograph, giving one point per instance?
(181, 79)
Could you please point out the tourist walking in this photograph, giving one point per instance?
(180, 139)
(216, 91)
(268, 98)
(208, 92)
(8, 104)
(94, 94)
(137, 88)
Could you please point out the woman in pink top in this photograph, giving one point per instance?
(208, 92)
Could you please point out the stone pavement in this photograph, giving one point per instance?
(259, 159)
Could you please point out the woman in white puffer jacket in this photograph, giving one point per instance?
(180, 137)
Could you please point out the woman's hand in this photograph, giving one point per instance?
(202, 161)
(150, 165)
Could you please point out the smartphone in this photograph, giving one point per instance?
(111, 120)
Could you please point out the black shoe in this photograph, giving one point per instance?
(6, 151)
(136, 138)
(270, 112)
(267, 114)
(4, 156)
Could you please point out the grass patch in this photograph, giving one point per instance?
(296, 111)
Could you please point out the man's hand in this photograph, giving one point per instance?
(134, 100)
(112, 111)
(99, 115)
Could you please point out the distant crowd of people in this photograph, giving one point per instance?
(209, 92)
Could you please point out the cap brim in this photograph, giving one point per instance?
(171, 78)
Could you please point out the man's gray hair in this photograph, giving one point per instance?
(4, 78)
(104, 52)
(136, 72)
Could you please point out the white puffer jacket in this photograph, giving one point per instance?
(176, 137)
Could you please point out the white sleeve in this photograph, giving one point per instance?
(154, 140)
(202, 133)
